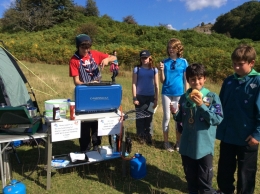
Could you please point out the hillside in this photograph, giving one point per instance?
(56, 45)
(206, 29)
(241, 22)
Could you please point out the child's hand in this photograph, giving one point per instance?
(174, 108)
(104, 62)
(161, 66)
(251, 141)
(155, 104)
(136, 102)
(197, 100)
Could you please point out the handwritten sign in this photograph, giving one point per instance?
(65, 130)
(108, 126)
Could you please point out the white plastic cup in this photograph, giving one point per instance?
(174, 105)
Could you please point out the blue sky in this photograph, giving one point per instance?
(177, 14)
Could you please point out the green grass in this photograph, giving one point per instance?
(164, 169)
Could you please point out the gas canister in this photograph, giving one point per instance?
(138, 166)
(15, 187)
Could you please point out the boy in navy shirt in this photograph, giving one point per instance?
(240, 130)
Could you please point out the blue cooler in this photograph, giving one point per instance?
(97, 97)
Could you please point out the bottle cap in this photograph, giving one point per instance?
(72, 103)
(68, 100)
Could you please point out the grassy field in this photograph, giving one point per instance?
(164, 169)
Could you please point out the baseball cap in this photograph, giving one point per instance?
(145, 53)
(81, 38)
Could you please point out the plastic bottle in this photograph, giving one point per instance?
(56, 112)
(72, 110)
(114, 149)
(68, 109)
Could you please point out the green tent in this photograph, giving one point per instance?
(13, 91)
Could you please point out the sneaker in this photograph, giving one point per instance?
(177, 146)
(141, 139)
(149, 139)
(168, 147)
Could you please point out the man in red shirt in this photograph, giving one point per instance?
(84, 69)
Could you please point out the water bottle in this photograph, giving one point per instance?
(68, 109)
(114, 143)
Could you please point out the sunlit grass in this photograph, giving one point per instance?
(164, 169)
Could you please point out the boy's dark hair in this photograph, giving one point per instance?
(195, 69)
(244, 53)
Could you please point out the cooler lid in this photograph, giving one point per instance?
(14, 115)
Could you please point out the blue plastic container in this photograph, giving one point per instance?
(138, 166)
(15, 187)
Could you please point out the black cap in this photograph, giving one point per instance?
(145, 53)
(81, 38)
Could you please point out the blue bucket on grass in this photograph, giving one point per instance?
(138, 166)
(15, 187)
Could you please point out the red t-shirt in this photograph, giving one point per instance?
(75, 62)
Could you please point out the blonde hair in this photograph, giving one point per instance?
(175, 43)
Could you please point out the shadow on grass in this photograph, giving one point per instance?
(107, 172)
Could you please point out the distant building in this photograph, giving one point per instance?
(206, 29)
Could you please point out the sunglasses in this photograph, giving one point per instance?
(84, 46)
(173, 65)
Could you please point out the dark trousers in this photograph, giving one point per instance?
(115, 73)
(199, 174)
(144, 126)
(89, 130)
(245, 158)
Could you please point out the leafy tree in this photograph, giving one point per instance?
(89, 28)
(107, 17)
(91, 8)
(35, 15)
(129, 19)
(79, 9)
(240, 22)
(62, 10)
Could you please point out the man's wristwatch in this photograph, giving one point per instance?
(134, 98)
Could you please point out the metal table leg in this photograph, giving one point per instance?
(48, 152)
(3, 178)
(123, 153)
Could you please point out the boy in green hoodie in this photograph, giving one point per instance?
(239, 131)
(200, 114)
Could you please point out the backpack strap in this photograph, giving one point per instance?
(138, 67)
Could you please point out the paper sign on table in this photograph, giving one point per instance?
(108, 126)
(65, 130)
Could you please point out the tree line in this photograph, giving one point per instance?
(241, 22)
(55, 45)
(37, 15)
